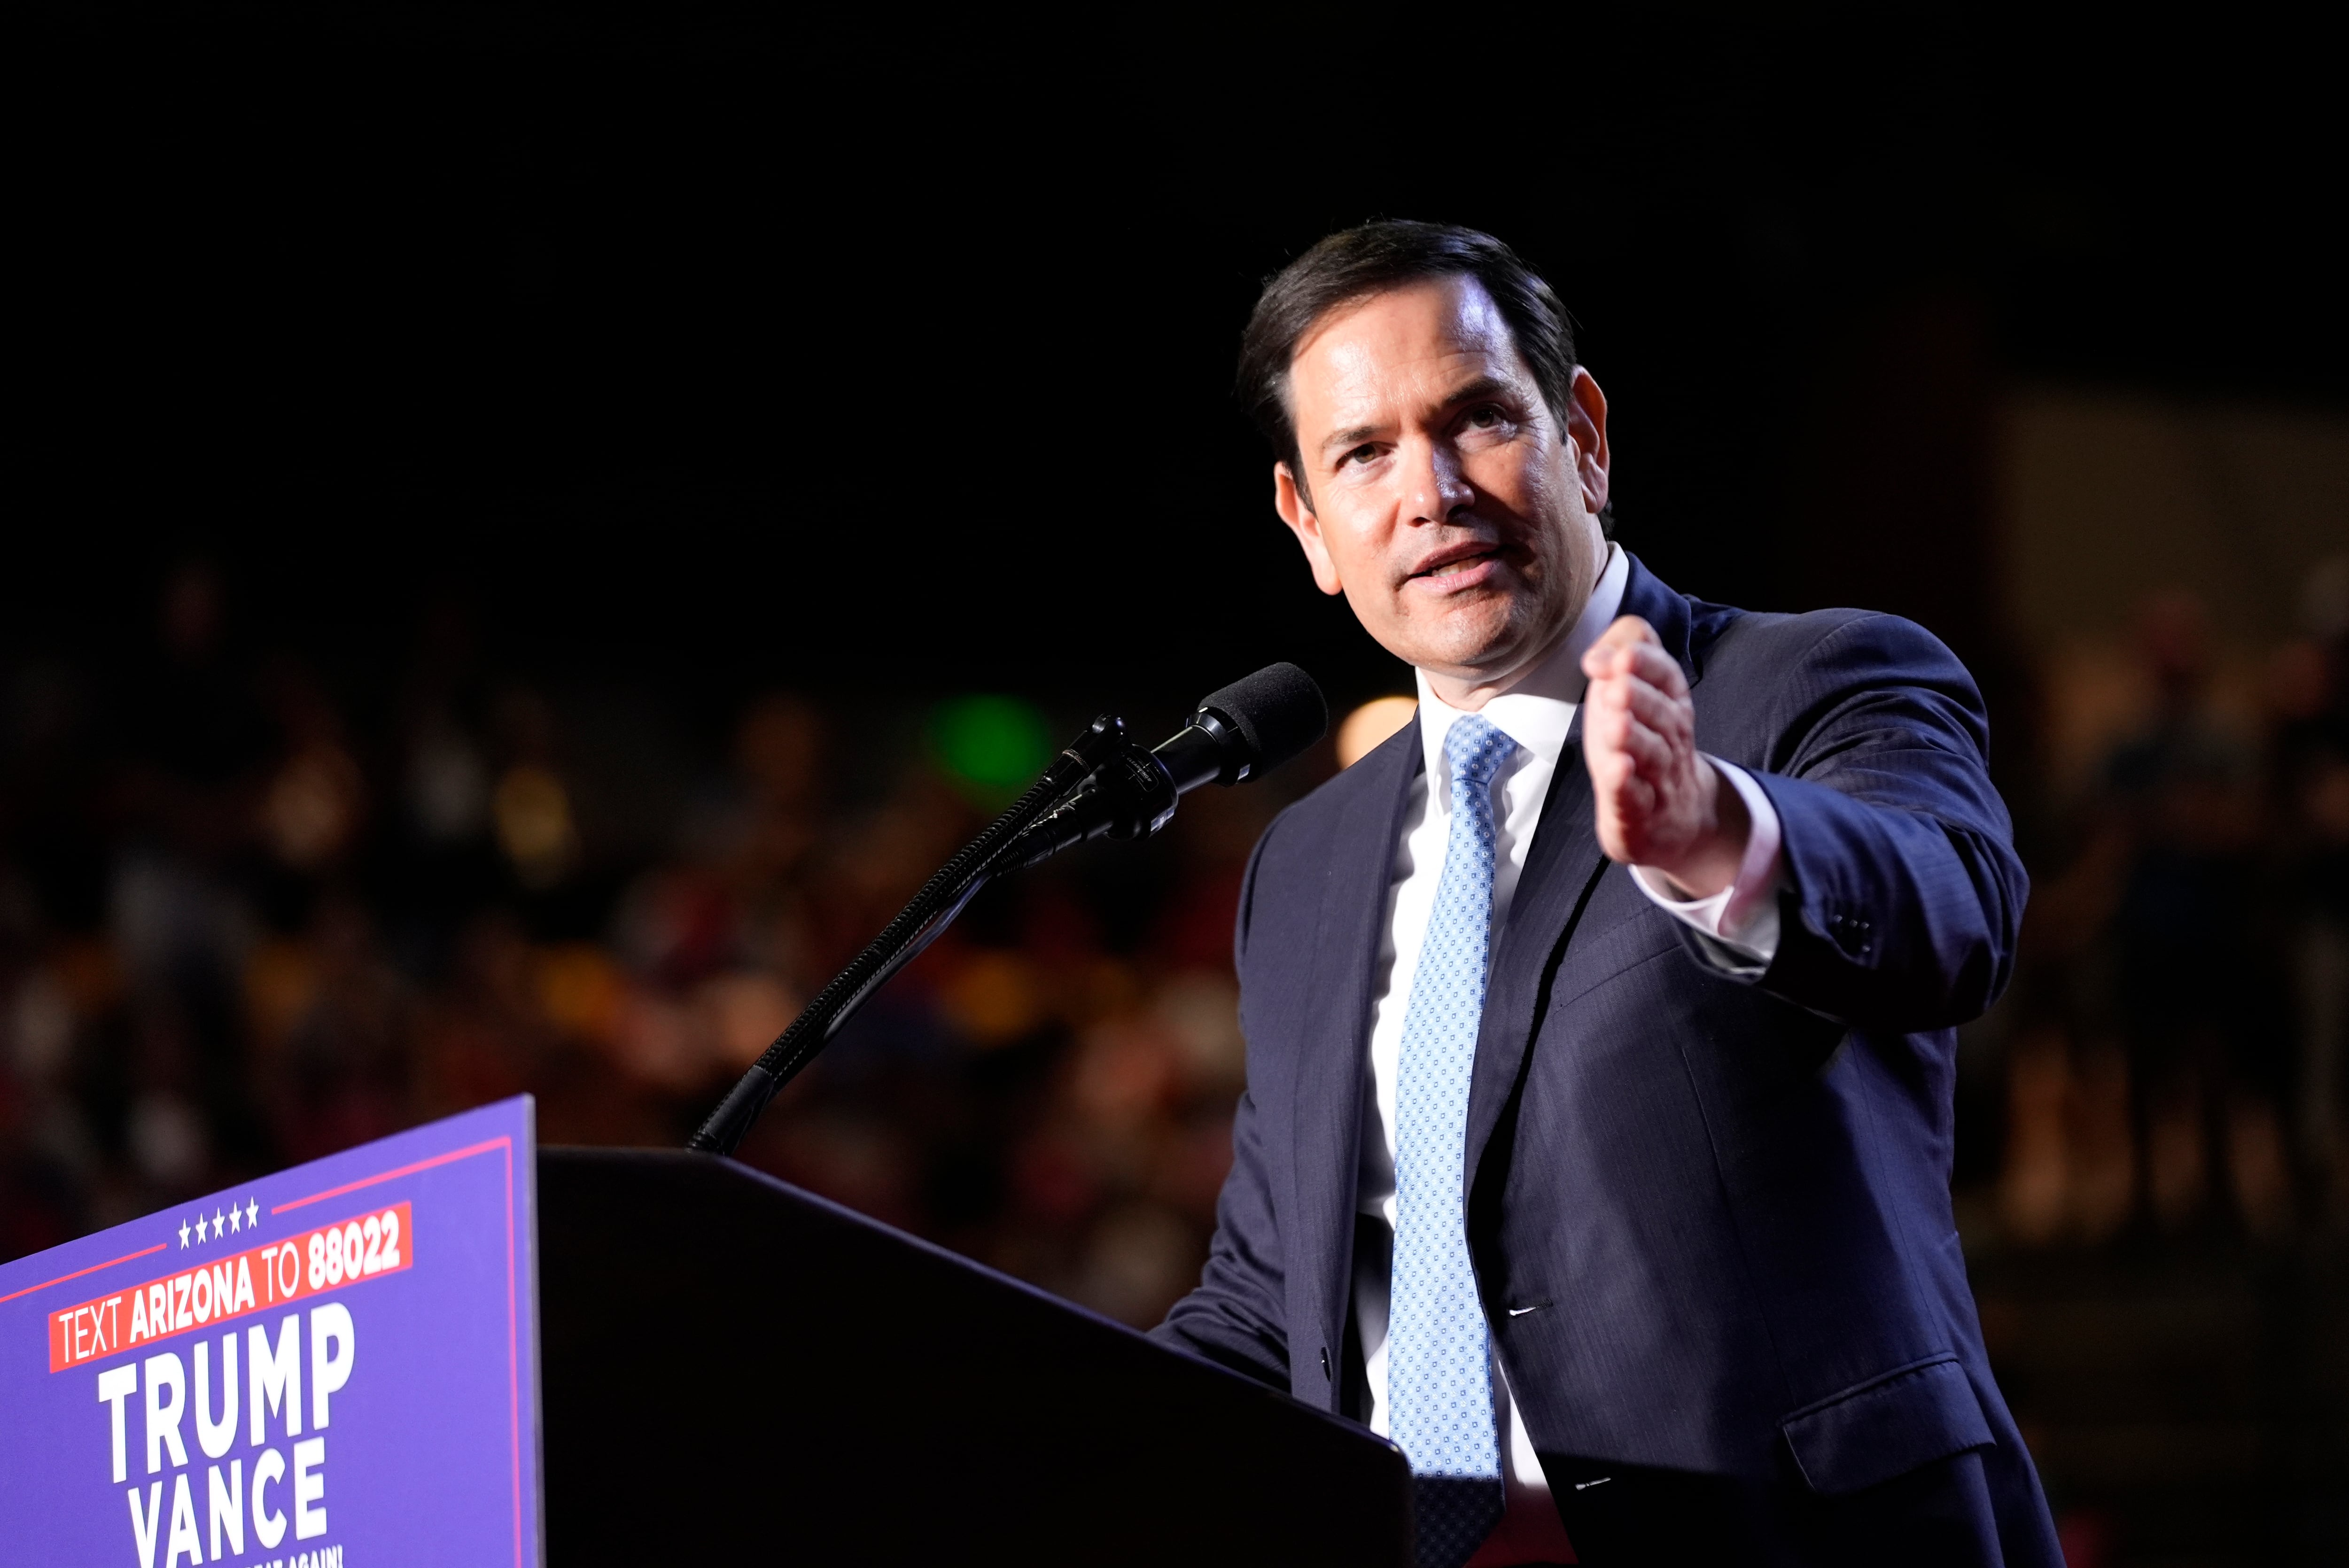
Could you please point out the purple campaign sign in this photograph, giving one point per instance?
(340, 1358)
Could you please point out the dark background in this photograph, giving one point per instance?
(745, 349)
(576, 379)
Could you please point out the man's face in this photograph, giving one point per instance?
(1439, 493)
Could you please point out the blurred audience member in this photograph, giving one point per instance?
(2310, 773)
(2202, 1083)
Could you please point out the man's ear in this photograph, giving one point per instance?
(1586, 426)
(1289, 500)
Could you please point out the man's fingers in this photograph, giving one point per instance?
(1653, 708)
(1638, 735)
(1630, 647)
(1628, 631)
(1650, 664)
(1621, 745)
(1646, 692)
(1636, 661)
(1628, 700)
(1650, 753)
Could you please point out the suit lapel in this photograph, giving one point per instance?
(1560, 866)
(1334, 1059)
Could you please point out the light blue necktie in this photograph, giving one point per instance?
(1439, 1367)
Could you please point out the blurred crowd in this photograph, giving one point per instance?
(2173, 1054)
(250, 915)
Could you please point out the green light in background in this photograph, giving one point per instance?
(994, 746)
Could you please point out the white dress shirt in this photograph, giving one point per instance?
(1538, 713)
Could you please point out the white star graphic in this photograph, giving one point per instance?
(201, 1222)
(219, 1230)
(183, 1235)
(235, 1218)
(251, 1213)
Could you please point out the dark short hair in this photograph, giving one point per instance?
(1393, 253)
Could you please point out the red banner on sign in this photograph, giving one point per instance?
(380, 1241)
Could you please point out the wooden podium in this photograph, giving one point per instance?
(736, 1371)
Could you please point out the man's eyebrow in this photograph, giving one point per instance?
(1352, 436)
(1482, 386)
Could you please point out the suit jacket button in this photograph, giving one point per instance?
(1850, 934)
(1325, 1364)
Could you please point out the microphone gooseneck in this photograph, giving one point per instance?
(1102, 784)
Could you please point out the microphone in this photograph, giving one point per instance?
(1240, 731)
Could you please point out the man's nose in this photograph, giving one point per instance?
(1437, 486)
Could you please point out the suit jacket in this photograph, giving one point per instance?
(1708, 1202)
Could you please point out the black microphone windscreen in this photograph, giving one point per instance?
(1279, 711)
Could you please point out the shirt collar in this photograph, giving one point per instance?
(1538, 710)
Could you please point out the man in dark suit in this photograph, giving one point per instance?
(1600, 1023)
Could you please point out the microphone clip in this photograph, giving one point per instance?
(1130, 794)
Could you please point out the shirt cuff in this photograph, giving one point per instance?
(1743, 917)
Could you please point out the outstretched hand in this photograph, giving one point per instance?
(1660, 804)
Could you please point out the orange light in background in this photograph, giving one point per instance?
(581, 990)
(996, 998)
(532, 813)
(313, 807)
(742, 1012)
(1371, 724)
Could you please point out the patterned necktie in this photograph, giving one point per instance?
(1439, 1370)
